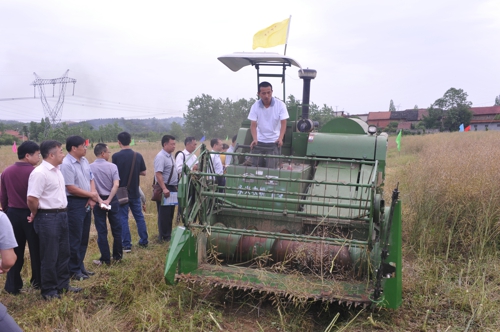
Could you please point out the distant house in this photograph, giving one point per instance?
(362, 117)
(379, 119)
(404, 125)
(484, 118)
(405, 118)
(14, 133)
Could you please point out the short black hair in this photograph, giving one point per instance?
(99, 149)
(214, 141)
(188, 140)
(265, 85)
(166, 139)
(74, 141)
(28, 147)
(46, 146)
(234, 138)
(124, 138)
(225, 146)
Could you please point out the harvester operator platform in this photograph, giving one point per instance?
(268, 117)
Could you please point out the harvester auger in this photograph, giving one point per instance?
(315, 227)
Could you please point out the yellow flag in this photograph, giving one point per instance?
(271, 36)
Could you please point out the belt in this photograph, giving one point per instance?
(52, 210)
(78, 197)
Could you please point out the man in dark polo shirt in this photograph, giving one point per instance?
(13, 194)
(82, 197)
(123, 160)
(106, 181)
(47, 202)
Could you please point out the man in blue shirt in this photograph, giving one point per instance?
(82, 197)
(106, 181)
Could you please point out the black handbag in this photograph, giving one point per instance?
(122, 192)
(157, 191)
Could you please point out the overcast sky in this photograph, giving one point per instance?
(141, 59)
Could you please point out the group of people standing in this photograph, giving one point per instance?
(49, 206)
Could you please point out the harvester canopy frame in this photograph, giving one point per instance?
(239, 60)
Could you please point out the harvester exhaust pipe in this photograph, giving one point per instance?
(305, 125)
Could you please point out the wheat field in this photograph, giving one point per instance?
(450, 190)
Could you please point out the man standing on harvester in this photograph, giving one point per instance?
(268, 125)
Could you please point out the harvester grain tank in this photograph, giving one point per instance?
(315, 227)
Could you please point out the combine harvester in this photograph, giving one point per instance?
(314, 228)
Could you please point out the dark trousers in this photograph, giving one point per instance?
(269, 149)
(102, 230)
(23, 231)
(165, 216)
(53, 234)
(79, 228)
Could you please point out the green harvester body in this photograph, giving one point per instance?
(316, 227)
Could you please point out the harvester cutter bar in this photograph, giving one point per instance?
(291, 286)
(282, 236)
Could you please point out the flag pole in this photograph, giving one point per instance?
(287, 32)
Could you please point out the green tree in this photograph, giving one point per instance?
(233, 114)
(456, 107)
(433, 119)
(392, 108)
(391, 127)
(497, 100)
(322, 115)
(60, 133)
(204, 117)
(25, 131)
(292, 105)
(177, 131)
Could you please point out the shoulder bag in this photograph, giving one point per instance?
(122, 192)
(157, 191)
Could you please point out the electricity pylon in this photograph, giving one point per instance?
(53, 113)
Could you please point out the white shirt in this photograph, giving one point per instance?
(218, 169)
(268, 119)
(46, 183)
(190, 159)
(228, 156)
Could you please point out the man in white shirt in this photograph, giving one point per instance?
(187, 156)
(268, 125)
(216, 145)
(229, 158)
(47, 202)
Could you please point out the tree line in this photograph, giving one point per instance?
(210, 117)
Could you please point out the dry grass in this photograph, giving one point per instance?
(449, 186)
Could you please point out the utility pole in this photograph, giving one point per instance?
(53, 113)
